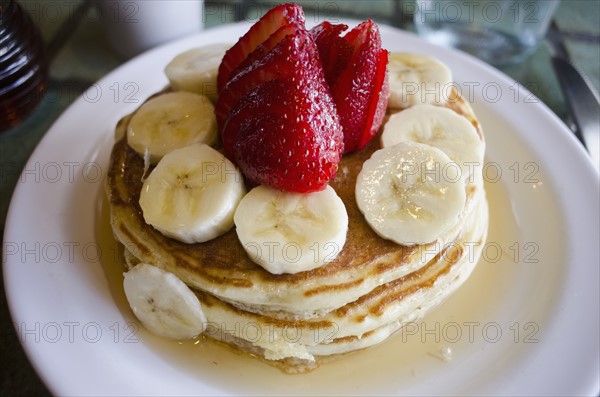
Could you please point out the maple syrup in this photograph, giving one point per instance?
(23, 65)
(404, 361)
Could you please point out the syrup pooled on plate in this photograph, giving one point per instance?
(411, 358)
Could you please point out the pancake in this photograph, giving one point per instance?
(360, 324)
(222, 267)
(365, 295)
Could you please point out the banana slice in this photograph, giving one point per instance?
(163, 303)
(415, 79)
(192, 194)
(410, 193)
(171, 121)
(441, 127)
(196, 70)
(287, 232)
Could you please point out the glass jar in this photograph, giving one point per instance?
(23, 65)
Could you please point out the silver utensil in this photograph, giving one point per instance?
(581, 99)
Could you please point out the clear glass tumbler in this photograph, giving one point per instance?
(500, 32)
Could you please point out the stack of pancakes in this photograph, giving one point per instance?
(295, 321)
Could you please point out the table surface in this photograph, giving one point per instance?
(84, 56)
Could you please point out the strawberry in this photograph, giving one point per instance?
(252, 71)
(358, 81)
(285, 132)
(268, 45)
(378, 103)
(334, 51)
(274, 19)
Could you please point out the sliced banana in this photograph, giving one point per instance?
(163, 303)
(196, 70)
(441, 127)
(286, 232)
(192, 194)
(410, 193)
(415, 79)
(172, 121)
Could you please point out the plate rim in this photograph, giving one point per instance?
(572, 146)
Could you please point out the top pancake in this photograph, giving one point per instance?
(222, 267)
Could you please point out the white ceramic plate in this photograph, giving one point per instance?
(527, 321)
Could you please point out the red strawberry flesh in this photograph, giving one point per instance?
(285, 133)
(359, 82)
(274, 19)
(378, 103)
(258, 67)
(267, 45)
(334, 51)
(291, 102)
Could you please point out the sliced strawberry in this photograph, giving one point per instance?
(359, 85)
(378, 103)
(267, 46)
(334, 51)
(285, 132)
(359, 89)
(274, 19)
(260, 66)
